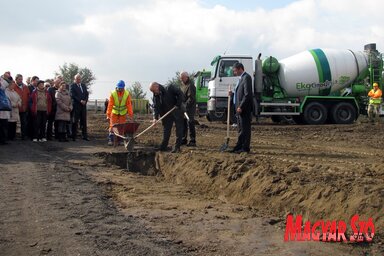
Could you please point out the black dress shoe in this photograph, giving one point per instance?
(234, 150)
(191, 144)
(241, 151)
(176, 150)
(163, 149)
(85, 138)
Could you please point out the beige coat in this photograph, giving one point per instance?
(16, 103)
(64, 105)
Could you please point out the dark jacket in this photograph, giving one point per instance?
(77, 95)
(189, 91)
(52, 92)
(243, 93)
(168, 97)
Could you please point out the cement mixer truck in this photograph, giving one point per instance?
(313, 87)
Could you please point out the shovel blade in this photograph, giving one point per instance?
(129, 145)
(225, 145)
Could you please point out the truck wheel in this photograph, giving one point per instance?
(315, 113)
(343, 113)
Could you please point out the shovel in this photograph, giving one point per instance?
(131, 141)
(225, 145)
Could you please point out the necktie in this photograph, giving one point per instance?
(81, 88)
(234, 94)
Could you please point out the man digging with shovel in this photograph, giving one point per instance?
(167, 102)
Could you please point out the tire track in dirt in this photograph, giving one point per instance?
(49, 206)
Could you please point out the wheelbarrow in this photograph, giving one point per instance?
(126, 132)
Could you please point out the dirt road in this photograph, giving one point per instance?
(63, 199)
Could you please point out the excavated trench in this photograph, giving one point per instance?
(141, 161)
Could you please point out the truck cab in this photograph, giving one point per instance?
(222, 80)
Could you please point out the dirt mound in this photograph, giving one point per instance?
(280, 186)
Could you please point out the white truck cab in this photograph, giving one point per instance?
(223, 79)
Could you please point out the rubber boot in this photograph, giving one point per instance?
(110, 139)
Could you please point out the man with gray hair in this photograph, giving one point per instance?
(79, 95)
(164, 99)
(189, 91)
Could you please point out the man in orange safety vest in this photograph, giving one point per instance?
(119, 106)
(374, 103)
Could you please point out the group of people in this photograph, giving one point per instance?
(165, 98)
(43, 109)
(177, 105)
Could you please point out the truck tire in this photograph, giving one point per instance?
(212, 117)
(343, 113)
(315, 113)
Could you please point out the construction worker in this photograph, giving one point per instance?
(374, 103)
(119, 105)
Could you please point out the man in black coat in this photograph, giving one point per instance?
(243, 105)
(164, 99)
(79, 95)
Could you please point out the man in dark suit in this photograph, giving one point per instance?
(79, 96)
(242, 100)
(164, 99)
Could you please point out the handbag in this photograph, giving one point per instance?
(5, 103)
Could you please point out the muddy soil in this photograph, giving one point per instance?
(66, 199)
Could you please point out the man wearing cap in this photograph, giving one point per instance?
(79, 95)
(374, 103)
(119, 106)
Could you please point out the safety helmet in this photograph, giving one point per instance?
(120, 84)
(375, 85)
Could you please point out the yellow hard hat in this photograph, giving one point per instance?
(375, 85)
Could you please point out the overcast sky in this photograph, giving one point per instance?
(149, 40)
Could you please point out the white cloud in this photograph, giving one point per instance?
(153, 39)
